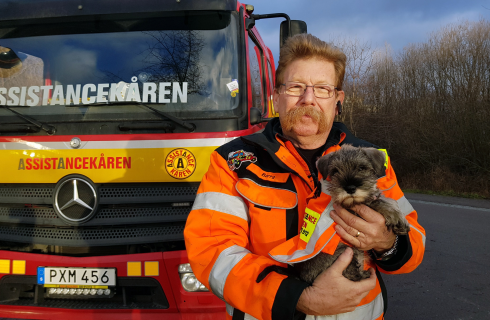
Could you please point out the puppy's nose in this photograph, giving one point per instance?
(350, 189)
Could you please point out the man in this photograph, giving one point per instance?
(253, 199)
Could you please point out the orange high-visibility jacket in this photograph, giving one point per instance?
(252, 200)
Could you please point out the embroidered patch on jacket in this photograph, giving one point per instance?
(236, 158)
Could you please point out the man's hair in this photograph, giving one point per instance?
(306, 46)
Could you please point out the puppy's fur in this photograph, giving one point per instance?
(353, 173)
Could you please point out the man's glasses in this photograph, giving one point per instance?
(297, 89)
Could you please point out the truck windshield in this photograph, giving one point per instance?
(184, 64)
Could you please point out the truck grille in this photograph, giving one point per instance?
(26, 193)
(108, 192)
(127, 214)
(34, 194)
(75, 237)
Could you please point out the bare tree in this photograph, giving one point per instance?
(359, 64)
(428, 104)
(174, 56)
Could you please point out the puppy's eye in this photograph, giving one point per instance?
(362, 168)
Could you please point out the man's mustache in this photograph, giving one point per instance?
(295, 115)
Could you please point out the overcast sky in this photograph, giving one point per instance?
(397, 23)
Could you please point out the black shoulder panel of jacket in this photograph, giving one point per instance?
(254, 142)
(238, 154)
(258, 148)
(234, 145)
(267, 138)
(352, 139)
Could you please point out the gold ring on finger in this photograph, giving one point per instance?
(358, 233)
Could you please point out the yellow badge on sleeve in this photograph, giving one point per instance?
(309, 224)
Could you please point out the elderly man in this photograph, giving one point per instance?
(254, 195)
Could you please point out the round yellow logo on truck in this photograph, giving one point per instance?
(180, 163)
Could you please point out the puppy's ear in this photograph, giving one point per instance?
(323, 163)
(348, 146)
(377, 158)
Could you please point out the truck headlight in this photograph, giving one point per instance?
(189, 280)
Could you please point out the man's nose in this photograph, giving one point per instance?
(309, 95)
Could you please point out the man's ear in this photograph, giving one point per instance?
(341, 96)
(275, 99)
(378, 159)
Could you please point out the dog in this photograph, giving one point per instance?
(351, 174)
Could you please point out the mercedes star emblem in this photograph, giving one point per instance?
(75, 199)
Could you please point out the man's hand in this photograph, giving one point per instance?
(332, 293)
(373, 233)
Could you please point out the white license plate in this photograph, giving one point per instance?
(79, 277)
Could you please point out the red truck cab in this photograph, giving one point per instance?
(109, 111)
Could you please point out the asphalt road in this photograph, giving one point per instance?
(453, 281)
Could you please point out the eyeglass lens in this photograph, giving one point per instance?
(297, 89)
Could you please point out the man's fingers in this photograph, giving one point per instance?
(369, 283)
(336, 217)
(348, 219)
(367, 213)
(343, 261)
(346, 232)
(346, 236)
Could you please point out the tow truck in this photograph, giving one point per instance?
(109, 111)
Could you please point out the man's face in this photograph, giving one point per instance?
(317, 115)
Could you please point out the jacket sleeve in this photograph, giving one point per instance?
(411, 247)
(217, 243)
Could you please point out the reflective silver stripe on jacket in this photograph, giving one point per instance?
(404, 205)
(230, 310)
(322, 225)
(222, 202)
(423, 236)
(406, 208)
(390, 187)
(370, 311)
(227, 259)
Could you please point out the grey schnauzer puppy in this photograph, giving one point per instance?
(352, 174)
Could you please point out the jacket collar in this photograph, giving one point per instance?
(267, 139)
(273, 141)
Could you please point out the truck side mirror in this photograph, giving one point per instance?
(256, 116)
(297, 27)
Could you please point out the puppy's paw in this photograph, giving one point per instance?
(356, 275)
(401, 228)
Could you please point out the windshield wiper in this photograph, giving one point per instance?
(165, 126)
(7, 127)
(189, 126)
(50, 130)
